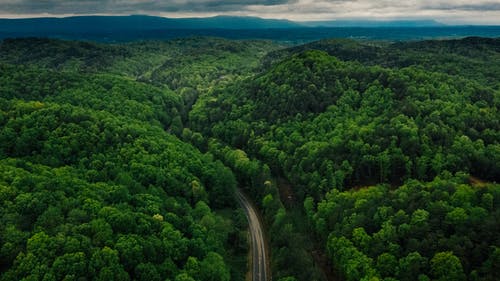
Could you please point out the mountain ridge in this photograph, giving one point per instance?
(143, 27)
(140, 22)
(146, 22)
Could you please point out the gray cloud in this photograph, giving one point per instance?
(488, 6)
(448, 11)
(129, 6)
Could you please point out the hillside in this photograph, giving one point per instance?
(333, 125)
(472, 57)
(368, 160)
(94, 182)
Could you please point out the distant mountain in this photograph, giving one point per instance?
(136, 23)
(139, 27)
(104, 24)
(373, 23)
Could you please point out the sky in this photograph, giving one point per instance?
(446, 11)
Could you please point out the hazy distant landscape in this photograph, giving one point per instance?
(130, 28)
(229, 147)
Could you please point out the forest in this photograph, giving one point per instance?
(368, 160)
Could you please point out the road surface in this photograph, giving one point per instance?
(259, 254)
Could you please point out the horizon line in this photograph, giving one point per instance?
(371, 19)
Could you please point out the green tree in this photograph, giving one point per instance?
(146, 271)
(71, 265)
(387, 265)
(412, 265)
(446, 266)
(213, 268)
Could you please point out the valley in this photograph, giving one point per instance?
(358, 160)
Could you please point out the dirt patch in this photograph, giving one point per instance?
(475, 182)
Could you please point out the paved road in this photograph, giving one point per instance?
(259, 254)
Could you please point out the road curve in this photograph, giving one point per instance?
(259, 254)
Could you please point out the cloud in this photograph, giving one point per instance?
(451, 11)
(129, 6)
(487, 6)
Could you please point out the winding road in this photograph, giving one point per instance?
(259, 254)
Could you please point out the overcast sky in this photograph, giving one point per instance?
(448, 11)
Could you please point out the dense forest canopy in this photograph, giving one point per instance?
(368, 160)
(341, 115)
(94, 182)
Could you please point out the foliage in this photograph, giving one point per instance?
(81, 180)
(392, 150)
(390, 115)
(473, 57)
(371, 124)
(399, 229)
(94, 186)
